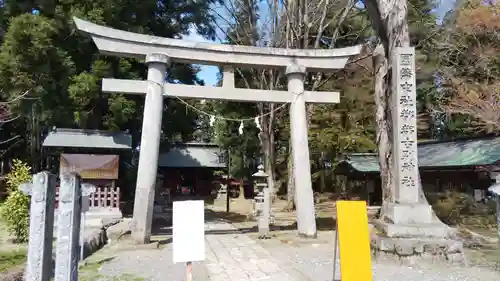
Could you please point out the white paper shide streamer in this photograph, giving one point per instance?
(212, 120)
(257, 123)
(240, 129)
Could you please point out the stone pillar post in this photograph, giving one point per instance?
(68, 228)
(262, 202)
(149, 148)
(264, 218)
(87, 189)
(406, 177)
(495, 190)
(306, 220)
(43, 195)
(406, 209)
(497, 200)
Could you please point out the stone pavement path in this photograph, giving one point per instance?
(233, 256)
(229, 256)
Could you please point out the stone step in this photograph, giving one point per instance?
(449, 250)
(418, 244)
(431, 230)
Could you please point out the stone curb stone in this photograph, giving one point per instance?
(93, 242)
(411, 249)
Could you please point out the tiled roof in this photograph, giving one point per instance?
(88, 139)
(193, 155)
(442, 154)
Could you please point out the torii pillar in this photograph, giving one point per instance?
(299, 139)
(158, 52)
(149, 147)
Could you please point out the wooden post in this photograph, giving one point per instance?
(228, 189)
(335, 249)
(189, 271)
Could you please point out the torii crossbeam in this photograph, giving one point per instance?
(159, 52)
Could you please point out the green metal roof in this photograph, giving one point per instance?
(193, 155)
(442, 154)
(88, 139)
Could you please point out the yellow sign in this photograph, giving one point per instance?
(354, 241)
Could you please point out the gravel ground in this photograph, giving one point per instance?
(315, 262)
(296, 262)
(299, 262)
(393, 273)
(154, 264)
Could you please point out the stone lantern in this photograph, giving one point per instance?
(262, 205)
(495, 189)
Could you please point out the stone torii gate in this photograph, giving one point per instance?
(159, 52)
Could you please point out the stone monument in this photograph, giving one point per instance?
(410, 228)
(159, 52)
(68, 229)
(43, 195)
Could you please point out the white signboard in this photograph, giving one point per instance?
(189, 231)
(479, 194)
(495, 175)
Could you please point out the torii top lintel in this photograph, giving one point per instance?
(128, 44)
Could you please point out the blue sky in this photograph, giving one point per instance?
(209, 73)
(443, 7)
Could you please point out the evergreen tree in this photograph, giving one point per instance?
(43, 52)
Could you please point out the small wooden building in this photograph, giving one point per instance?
(463, 165)
(190, 168)
(94, 155)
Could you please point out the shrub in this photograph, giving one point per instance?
(455, 208)
(15, 210)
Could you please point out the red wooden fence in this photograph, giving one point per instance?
(103, 197)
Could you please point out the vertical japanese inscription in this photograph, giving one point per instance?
(405, 123)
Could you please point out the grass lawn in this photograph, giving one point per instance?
(90, 272)
(10, 259)
(11, 255)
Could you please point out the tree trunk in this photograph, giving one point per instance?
(268, 162)
(266, 137)
(384, 123)
(389, 19)
(290, 189)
